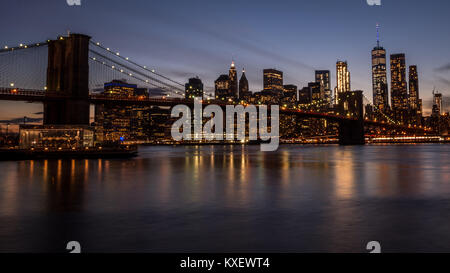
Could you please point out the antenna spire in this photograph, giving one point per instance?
(378, 35)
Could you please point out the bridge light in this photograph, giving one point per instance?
(107, 49)
(145, 67)
(153, 70)
(126, 58)
(98, 43)
(21, 45)
(118, 54)
(6, 47)
(11, 84)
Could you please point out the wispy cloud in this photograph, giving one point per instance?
(443, 68)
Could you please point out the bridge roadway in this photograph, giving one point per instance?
(31, 95)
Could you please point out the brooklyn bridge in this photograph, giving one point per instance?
(74, 67)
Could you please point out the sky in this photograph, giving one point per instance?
(182, 39)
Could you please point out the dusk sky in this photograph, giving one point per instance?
(182, 39)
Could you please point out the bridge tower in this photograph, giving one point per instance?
(351, 132)
(68, 81)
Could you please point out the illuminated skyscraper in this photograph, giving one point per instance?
(437, 104)
(399, 92)
(413, 88)
(273, 81)
(379, 77)
(342, 79)
(233, 86)
(323, 78)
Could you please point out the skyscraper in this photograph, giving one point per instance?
(323, 78)
(243, 85)
(222, 87)
(413, 88)
(273, 80)
(437, 104)
(233, 86)
(194, 88)
(379, 77)
(342, 79)
(399, 92)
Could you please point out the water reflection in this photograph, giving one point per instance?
(301, 198)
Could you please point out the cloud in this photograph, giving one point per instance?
(443, 80)
(443, 68)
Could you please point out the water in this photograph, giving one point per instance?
(231, 199)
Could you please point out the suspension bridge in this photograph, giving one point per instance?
(68, 74)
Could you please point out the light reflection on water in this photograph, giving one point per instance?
(231, 199)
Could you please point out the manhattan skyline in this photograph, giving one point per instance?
(200, 38)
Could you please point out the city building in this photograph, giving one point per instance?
(233, 86)
(315, 91)
(379, 77)
(323, 78)
(342, 79)
(289, 94)
(194, 88)
(243, 85)
(304, 95)
(222, 87)
(437, 104)
(413, 88)
(399, 92)
(115, 123)
(119, 88)
(273, 81)
(350, 104)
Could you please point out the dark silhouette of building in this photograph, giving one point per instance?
(194, 88)
(243, 85)
(304, 95)
(379, 77)
(222, 87)
(68, 80)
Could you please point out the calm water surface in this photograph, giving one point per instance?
(231, 199)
